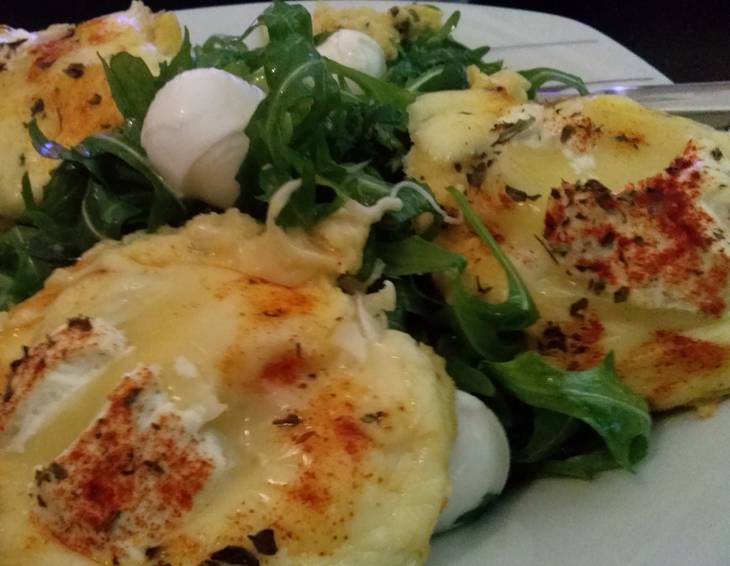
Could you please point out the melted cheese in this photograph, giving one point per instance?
(282, 428)
(130, 477)
(51, 372)
(608, 165)
(55, 76)
(457, 125)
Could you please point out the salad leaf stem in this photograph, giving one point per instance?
(542, 75)
(379, 90)
(582, 466)
(518, 311)
(416, 256)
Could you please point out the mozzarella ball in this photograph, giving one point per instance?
(356, 50)
(479, 462)
(194, 133)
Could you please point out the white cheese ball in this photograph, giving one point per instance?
(479, 462)
(194, 133)
(356, 50)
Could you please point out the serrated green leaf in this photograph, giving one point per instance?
(468, 378)
(583, 466)
(133, 88)
(540, 76)
(416, 256)
(595, 396)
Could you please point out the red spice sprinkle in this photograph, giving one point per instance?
(652, 232)
(554, 217)
(311, 491)
(26, 372)
(689, 354)
(575, 343)
(353, 438)
(118, 481)
(287, 368)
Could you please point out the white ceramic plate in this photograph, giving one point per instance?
(676, 509)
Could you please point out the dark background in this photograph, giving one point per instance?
(687, 41)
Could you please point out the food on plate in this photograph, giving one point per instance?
(236, 319)
(614, 214)
(56, 77)
(182, 400)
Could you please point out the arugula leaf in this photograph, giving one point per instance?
(468, 378)
(488, 331)
(133, 85)
(415, 304)
(541, 75)
(21, 274)
(595, 396)
(481, 326)
(230, 53)
(416, 256)
(58, 230)
(480, 340)
(446, 29)
(518, 311)
(583, 466)
(417, 199)
(165, 206)
(435, 61)
(512, 130)
(284, 20)
(133, 89)
(182, 61)
(30, 274)
(290, 106)
(286, 128)
(103, 188)
(105, 212)
(550, 431)
(379, 90)
(368, 133)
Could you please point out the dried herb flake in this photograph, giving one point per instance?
(578, 307)
(75, 70)
(264, 542)
(235, 555)
(288, 421)
(621, 295)
(37, 107)
(519, 196)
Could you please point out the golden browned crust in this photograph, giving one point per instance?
(56, 77)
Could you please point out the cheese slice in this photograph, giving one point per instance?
(130, 478)
(50, 372)
(286, 408)
(56, 77)
(617, 218)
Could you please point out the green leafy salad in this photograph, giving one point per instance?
(344, 134)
